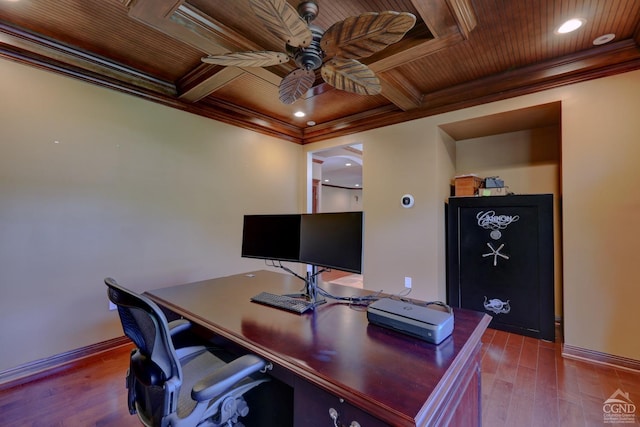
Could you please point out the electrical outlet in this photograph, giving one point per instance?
(407, 282)
(112, 306)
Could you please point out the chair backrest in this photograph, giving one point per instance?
(155, 361)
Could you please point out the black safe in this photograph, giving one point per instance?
(500, 260)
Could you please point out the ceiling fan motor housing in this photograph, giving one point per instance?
(308, 10)
(311, 57)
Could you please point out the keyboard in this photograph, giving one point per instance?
(294, 305)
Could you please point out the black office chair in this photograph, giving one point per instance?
(182, 387)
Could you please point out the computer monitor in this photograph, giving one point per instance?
(271, 237)
(332, 240)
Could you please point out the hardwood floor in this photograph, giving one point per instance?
(525, 382)
(92, 393)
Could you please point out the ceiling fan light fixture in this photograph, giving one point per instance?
(310, 46)
(570, 25)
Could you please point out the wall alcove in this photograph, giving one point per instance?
(522, 147)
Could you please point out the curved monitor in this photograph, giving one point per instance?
(332, 240)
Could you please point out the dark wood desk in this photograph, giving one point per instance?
(334, 358)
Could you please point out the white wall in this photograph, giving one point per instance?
(337, 199)
(600, 169)
(601, 207)
(401, 242)
(165, 205)
(150, 195)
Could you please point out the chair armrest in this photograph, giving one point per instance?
(183, 352)
(226, 377)
(178, 325)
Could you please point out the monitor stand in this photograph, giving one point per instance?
(311, 288)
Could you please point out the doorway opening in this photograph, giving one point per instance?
(337, 187)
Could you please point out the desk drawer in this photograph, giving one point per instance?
(312, 405)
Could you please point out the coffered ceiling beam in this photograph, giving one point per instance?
(205, 79)
(189, 25)
(448, 21)
(184, 22)
(24, 46)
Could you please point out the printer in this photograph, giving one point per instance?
(419, 321)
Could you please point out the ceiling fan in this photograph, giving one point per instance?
(335, 52)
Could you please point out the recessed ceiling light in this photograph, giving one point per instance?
(347, 164)
(326, 180)
(357, 185)
(299, 114)
(311, 123)
(606, 38)
(570, 25)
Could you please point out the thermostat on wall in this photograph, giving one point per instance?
(407, 201)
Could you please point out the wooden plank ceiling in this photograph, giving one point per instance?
(460, 53)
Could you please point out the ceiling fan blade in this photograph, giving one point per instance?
(248, 59)
(283, 20)
(295, 84)
(363, 35)
(352, 76)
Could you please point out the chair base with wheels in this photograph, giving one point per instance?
(180, 387)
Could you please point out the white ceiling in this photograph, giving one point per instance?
(341, 166)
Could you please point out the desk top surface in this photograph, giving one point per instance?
(395, 377)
